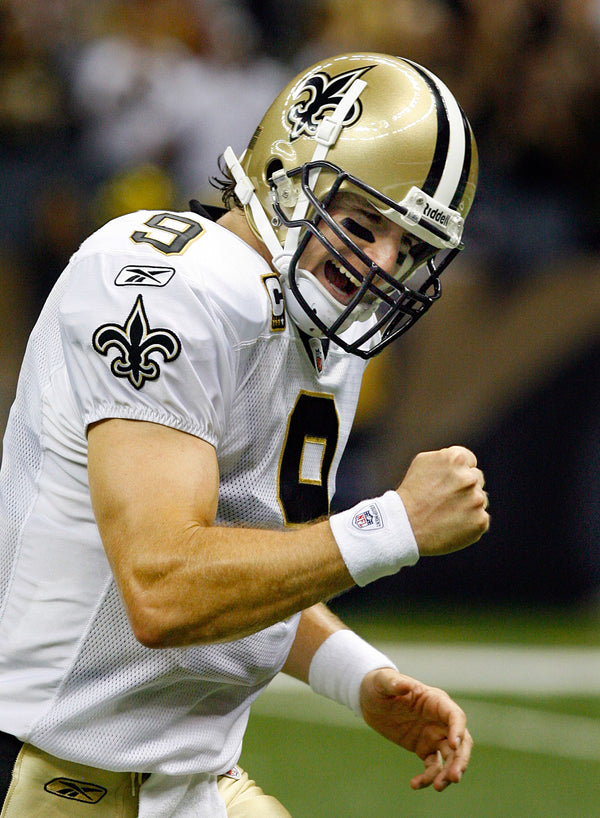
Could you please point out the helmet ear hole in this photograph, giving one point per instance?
(272, 167)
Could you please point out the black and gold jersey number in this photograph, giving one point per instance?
(310, 443)
(169, 233)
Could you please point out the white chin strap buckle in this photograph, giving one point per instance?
(282, 263)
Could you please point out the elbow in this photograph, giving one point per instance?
(158, 635)
(149, 624)
(156, 624)
(152, 617)
(151, 633)
(168, 608)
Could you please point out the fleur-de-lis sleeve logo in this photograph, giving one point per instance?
(136, 343)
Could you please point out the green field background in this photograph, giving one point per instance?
(321, 762)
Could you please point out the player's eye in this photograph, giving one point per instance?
(407, 247)
(420, 252)
(358, 230)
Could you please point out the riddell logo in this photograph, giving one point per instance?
(436, 215)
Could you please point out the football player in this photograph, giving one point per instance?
(169, 461)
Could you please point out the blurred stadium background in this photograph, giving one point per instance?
(120, 104)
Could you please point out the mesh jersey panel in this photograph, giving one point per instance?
(22, 449)
(175, 711)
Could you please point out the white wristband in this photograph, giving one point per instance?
(375, 538)
(340, 664)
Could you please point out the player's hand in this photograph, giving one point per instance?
(423, 720)
(443, 493)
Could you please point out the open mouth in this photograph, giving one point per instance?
(345, 286)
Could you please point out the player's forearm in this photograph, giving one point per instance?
(225, 583)
(216, 583)
(316, 625)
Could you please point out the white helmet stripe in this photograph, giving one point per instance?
(452, 149)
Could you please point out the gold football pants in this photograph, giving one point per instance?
(43, 786)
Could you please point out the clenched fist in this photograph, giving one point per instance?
(443, 493)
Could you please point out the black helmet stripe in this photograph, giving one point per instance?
(466, 168)
(450, 137)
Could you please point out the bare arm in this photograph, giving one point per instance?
(316, 624)
(185, 580)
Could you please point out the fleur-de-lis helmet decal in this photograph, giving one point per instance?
(136, 342)
(324, 95)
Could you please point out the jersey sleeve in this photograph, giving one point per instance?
(141, 342)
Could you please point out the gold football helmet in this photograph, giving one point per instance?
(383, 128)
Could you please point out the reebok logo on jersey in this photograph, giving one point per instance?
(136, 342)
(138, 276)
(368, 518)
(75, 790)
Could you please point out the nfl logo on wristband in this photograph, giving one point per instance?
(368, 519)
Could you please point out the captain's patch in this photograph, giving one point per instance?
(277, 300)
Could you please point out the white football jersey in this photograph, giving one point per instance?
(163, 317)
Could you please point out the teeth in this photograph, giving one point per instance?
(346, 273)
(354, 280)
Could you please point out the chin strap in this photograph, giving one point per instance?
(326, 136)
(244, 190)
